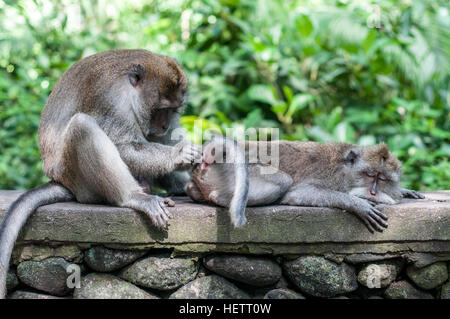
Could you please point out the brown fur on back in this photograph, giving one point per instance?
(302, 160)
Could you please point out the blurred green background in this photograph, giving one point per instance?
(355, 71)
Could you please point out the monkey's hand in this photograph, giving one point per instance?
(372, 217)
(406, 193)
(185, 154)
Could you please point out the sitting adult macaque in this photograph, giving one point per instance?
(351, 177)
(107, 124)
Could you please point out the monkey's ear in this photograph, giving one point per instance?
(136, 74)
(176, 61)
(352, 156)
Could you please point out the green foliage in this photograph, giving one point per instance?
(328, 71)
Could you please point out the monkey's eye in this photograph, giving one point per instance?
(370, 174)
(382, 177)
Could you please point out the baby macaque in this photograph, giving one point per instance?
(222, 178)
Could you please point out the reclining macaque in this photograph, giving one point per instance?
(351, 177)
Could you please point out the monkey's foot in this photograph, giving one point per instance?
(169, 202)
(154, 207)
(215, 198)
(406, 193)
(194, 192)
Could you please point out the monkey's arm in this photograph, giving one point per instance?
(175, 183)
(310, 195)
(153, 159)
(406, 193)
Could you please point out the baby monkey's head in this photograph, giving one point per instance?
(219, 150)
(217, 169)
(375, 174)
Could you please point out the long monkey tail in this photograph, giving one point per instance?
(240, 194)
(17, 215)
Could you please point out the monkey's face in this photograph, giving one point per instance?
(161, 121)
(166, 111)
(376, 175)
(217, 151)
(217, 169)
(204, 174)
(200, 169)
(214, 159)
(160, 91)
(377, 186)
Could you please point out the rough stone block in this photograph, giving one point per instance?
(209, 287)
(105, 286)
(161, 272)
(320, 277)
(255, 271)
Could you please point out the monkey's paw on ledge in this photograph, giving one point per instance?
(282, 252)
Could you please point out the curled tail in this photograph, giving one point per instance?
(16, 216)
(240, 194)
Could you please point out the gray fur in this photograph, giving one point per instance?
(336, 175)
(16, 216)
(313, 174)
(232, 172)
(241, 185)
(235, 183)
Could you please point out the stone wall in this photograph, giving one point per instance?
(283, 252)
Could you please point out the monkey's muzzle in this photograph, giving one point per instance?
(203, 165)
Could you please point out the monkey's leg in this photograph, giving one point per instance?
(194, 192)
(263, 192)
(93, 170)
(145, 185)
(219, 199)
(265, 189)
(308, 195)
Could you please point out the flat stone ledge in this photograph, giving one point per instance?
(415, 226)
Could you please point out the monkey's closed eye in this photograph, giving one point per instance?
(370, 174)
(382, 177)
